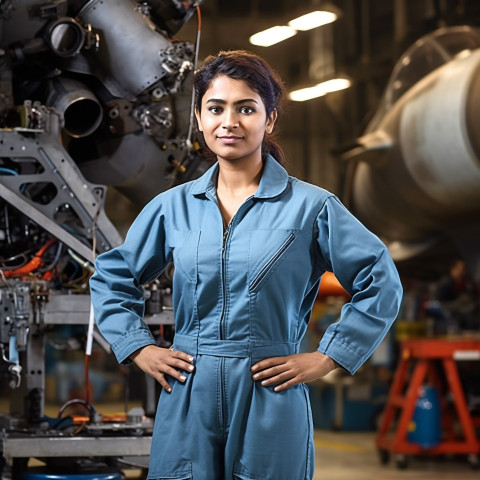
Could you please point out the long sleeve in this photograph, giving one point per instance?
(364, 267)
(116, 286)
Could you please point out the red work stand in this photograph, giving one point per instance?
(422, 360)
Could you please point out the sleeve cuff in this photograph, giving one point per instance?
(130, 342)
(341, 353)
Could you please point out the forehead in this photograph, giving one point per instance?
(229, 89)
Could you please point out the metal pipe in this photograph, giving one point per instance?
(79, 107)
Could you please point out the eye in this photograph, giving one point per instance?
(215, 109)
(247, 110)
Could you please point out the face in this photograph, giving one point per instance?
(233, 120)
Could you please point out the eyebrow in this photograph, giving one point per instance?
(238, 102)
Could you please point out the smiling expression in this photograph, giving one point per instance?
(233, 119)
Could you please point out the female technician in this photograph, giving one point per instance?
(249, 244)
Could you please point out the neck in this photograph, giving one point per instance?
(239, 176)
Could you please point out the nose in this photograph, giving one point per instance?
(230, 120)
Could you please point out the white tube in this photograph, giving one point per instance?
(91, 323)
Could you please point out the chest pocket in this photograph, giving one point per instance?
(268, 250)
(185, 253)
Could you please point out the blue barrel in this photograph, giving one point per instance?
(71, 476)
(425, 427)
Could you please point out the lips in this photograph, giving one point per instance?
(229, 139)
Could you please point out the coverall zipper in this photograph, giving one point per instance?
(222, 332)
(267, 267)
(226, 235)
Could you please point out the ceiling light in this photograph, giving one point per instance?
(271, 36)
(313, 20)
(320, 89)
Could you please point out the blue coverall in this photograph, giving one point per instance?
(242, 294)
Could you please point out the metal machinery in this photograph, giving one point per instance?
(93, 94)
(414, 175)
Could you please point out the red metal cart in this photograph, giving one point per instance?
(426, 360)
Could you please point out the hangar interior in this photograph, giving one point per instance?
(93, 125)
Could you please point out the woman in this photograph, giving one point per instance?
(249, 244)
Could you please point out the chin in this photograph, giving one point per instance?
(235, 156)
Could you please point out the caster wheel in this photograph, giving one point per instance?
(401, 462)
(474, 461)
(384, 456)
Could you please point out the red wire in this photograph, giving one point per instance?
(88, 389)
(199, 19)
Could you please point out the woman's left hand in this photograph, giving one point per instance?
(285, 372)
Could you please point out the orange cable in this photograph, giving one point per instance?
(199, 19)
(33, 264)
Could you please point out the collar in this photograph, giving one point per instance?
(273, 182)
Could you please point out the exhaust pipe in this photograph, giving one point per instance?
(81, 110)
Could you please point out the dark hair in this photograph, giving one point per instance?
(259, 76)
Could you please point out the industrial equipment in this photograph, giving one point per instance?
(93, 94)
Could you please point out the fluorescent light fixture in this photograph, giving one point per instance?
(320, 89)
(312, 20)
(273, 35)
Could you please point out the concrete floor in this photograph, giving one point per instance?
(347, 456)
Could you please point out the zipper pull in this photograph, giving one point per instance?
(225, 237)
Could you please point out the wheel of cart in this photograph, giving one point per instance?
(401, 461)
(384, 456)
(474, 461)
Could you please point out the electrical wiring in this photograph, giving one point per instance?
(55, 260)
(81, 262)
(62, 423)
(93, 414)
(33, 264)
(8, 170)
(78, 401)
(21, 255)
(88, 386)
(5, 281)
(91, 319)
(7, 224)
(75, 274)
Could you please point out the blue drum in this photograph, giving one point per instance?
(425, 428)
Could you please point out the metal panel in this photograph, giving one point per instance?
(25, 447)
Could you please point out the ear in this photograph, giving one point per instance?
(271, 121)
(199, 122)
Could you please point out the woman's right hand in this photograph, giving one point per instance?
(159, 362)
